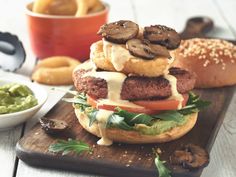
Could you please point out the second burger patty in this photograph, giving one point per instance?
(136, 87)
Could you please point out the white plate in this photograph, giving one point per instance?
(12, 119)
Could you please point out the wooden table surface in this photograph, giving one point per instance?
(172, 13)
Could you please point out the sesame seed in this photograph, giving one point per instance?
(210, 49)
(206, 63)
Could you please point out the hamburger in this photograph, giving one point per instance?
(129, 92)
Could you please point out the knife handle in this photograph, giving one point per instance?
(197, 27)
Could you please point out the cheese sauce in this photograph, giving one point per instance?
(114, 81)
(102, 117)
(174, 92)
(173, 83)
(88, 65)
(114, 86)
(118, 53)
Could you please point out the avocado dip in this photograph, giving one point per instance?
(15, 98)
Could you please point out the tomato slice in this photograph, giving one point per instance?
(162, 104)
(94, 103)
(147, 106)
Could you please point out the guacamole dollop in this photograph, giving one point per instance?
(160, 126)
(15, 98)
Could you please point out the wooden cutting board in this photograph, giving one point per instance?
(122, 159)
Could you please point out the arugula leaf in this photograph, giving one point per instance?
(163, 171)
(118, 121)
(132, 118)
(126, 120)
(194, 104)
(170, 116)
(92, 115)
(79, 100)
(69, 146)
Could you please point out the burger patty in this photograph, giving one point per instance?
(136, 87)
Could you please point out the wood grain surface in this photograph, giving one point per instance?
(121, 159)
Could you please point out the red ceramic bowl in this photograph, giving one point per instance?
(52, 35)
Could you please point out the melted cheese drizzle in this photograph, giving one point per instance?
(118, 53)
(174, 92)
(114, 85)
(173, 83)
(102, 117)
(88, 65)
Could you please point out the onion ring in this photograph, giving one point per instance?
(55, 70)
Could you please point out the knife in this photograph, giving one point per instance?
(198, 27)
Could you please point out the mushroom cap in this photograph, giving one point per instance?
(53, 126)
(190, 157)
(146, 50)
(119, 32)
(162, 35)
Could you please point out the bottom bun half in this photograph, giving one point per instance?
(135, 137)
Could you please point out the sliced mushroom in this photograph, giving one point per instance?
(162, 35)
(160, 50)
(119, 32)
(146, 50)
(190, 157)
(53, 126)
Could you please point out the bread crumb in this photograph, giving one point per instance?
(159, 151)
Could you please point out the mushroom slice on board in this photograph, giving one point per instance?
(53, 126)
(119, 32)
(162, 35)
(190, 157)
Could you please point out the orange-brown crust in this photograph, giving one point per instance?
(134, 137)
(213, 61)
(151, 68)
(55, 70)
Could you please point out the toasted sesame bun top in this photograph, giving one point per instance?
(213, 61)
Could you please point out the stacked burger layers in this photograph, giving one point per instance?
(130, 92)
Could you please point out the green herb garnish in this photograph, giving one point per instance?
(117, 121)
(163, 171)
(79, 100)
(194, 104)
(172, 115)
(133, 118)
(66, 147)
